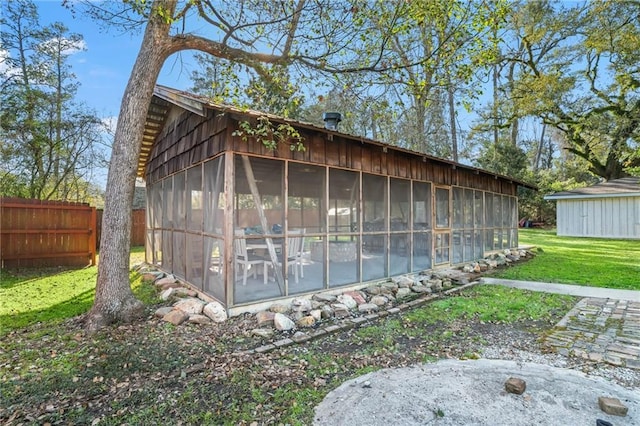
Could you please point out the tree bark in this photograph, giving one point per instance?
(114, 300)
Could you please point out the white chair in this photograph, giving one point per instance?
(244, 258)
(294, 249)
(298, 258)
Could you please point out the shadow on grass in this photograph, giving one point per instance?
(76, 305)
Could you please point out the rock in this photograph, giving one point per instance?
(367, 308)
(467, 268)
(181, 291)
(316, 314)
(301, 305)
(389, 287)
(161, 312)
(190, 305)
(215, 311)
(374, 290)
(515, 385)
(403, 292)
(199, 319)
(379, 300)
(279, 308)
(316, 305)
(176, 317)
(296, 315)
(348, 301)
(169, 279)
(262, 332)
(340, 310)
(265, 318)
(358, 296)
(283, 322)
(324, 297)
(421, 289)
(307, 321)
(403, 281)
(149, 277)
(166, 286)
(461, 281)
(327, 312)
(165, 295)
(612, 406)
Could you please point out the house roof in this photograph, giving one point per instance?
(164, 97)
(624, 187)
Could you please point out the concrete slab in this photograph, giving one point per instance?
(452, 392)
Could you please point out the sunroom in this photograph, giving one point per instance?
(246, 224)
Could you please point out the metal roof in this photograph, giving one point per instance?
(624, 187)
(164, 97)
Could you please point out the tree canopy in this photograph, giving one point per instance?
(50, 144)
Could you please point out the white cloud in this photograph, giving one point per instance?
(6, 69)
(110, 124)
(66, 46)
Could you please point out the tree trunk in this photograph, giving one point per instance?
(536, 163)
(452, 121)
(114, 299)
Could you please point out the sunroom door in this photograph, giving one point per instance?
(442, 237)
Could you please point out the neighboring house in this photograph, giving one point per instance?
(608, 210)
(221, 210)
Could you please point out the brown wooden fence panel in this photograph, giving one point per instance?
(35, 233)
(138, 227)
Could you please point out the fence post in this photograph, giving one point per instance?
(92, 235)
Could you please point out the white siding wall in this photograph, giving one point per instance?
(599, 217)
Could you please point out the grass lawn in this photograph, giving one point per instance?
(152, 372)
(39, 295)
(585, 261)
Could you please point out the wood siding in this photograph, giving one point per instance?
(188, 139)
(611, 217)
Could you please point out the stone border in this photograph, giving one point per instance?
(355, 322)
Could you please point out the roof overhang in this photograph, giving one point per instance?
(553, 197)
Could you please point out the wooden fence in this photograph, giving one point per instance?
(36, 233)
(138, 227)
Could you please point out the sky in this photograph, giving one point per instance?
(103, 68)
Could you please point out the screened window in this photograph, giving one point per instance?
(442, 208)
(374, 202)
(194, 202)
(213, 196)
(167, 203)
(261, 180)
(344, 193)
(399, 191)
(179, 208)
(421, 206)
(458, 208)
(305, 199)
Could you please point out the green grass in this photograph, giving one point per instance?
(50, 295)
(586, 261)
